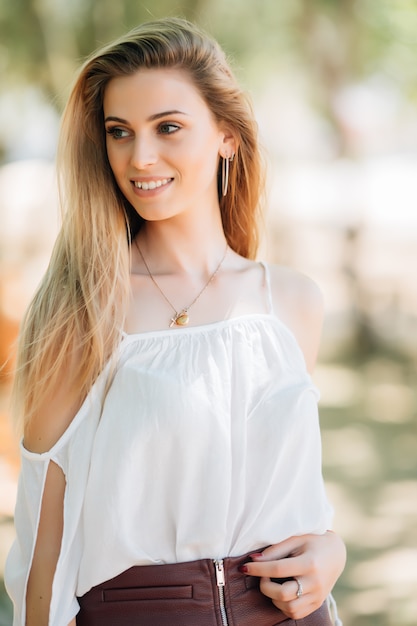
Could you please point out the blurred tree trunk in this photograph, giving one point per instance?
(23, 36)
(330, 41)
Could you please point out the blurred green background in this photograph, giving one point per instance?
(334, 88)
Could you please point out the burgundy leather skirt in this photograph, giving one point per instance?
(198, 593)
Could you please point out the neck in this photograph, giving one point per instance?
(193, 249)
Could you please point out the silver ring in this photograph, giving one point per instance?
(300, 587)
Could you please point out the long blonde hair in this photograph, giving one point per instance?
(79, 307)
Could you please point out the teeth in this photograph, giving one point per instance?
(152, 184)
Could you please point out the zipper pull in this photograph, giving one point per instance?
(221, 582)
(220, 573)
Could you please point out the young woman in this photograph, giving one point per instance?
(171, 469)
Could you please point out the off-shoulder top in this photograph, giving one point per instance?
(206, 445)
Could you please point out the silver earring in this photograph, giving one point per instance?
(225, 173)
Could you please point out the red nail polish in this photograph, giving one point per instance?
(255, 555)
(243, 569)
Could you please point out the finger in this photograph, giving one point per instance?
(284, 568)
(284, 597)
(287, 592)
(285, 548)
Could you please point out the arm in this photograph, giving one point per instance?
(47, 548)
(40, 435)
(299, 302)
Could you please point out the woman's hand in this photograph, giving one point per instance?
(316, 561)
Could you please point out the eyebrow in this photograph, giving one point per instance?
(151, 118)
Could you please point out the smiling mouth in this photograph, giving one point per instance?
(151, 184)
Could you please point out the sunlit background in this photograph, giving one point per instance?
(334, 85)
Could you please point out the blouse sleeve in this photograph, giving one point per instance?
(72, 454)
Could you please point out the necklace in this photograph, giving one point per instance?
(181, 318)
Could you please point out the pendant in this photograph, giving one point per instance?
(180, 319)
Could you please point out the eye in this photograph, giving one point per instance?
(167, 128)
(117, 133)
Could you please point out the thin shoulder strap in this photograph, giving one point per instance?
(267, 286)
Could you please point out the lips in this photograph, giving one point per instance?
(151, 184)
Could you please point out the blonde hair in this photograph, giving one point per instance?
(78, 311)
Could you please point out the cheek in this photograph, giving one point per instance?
(203, 161)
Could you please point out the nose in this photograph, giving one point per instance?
(144, 152)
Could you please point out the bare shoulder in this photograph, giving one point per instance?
(294, 289)
(55, 414)
(298, 301)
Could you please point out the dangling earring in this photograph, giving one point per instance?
(225, 173)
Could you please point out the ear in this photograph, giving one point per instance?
(228, 145)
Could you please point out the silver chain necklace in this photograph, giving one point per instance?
(181, 318)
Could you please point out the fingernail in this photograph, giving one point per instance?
(243, 569)
(255, 555)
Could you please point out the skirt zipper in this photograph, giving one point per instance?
(221, 582)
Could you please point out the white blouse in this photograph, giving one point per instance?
(206, 445)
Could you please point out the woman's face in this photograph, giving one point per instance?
(162, 143)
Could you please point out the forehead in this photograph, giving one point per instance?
(148, 90)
